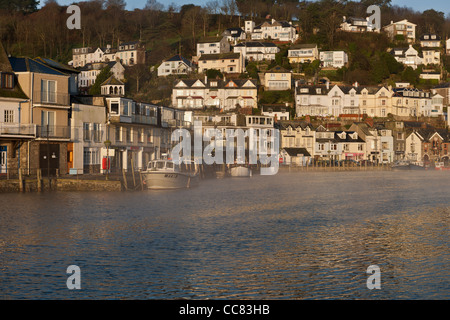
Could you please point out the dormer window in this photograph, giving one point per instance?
(7, 80)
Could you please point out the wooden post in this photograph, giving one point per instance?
(142, 184)
(125, 179)
(39, 182)
(132, 170)
(21, 189)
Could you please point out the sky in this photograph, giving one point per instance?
(417, 5)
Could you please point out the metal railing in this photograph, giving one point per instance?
(51, 98)
(60, 132)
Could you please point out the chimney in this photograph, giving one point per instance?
(328, 85)
(273, 20)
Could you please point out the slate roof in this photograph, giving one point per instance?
(256, 44)
(5, 66)
(56, 65)
(112, 81)
(177, 57)
(219, 56)
(30, 65)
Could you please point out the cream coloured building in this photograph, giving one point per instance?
(224, 62)
(278, 78)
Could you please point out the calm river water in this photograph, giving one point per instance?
(302, 235)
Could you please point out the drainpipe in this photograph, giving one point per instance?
(20, 108)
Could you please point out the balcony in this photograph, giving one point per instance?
(53, 132)
(16, 130)
(51, 98)
(142, 119)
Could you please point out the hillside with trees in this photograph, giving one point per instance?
(168, 29)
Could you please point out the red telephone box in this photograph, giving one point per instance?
(106, 163)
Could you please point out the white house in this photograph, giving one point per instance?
(352, 24)
(234, 35)
(431, 49)
(221, 94)
(213, 45)
(408, 56)
(88, 133)
(413, 146)
(257, 51)
(89, 72)
(275, 30)
(437, 105)
(297, 134)
(301, 53)
(278, 112)
(175, 66)
(334, 59)
(249, 26)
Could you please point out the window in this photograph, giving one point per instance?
(115, 108)
(129, 134)
(141, 135)
(8, 116)
(7, 81)
(48, 91)
(118, 134)
(97, 132)
(91, 156)
(86, 132)
(48, 121)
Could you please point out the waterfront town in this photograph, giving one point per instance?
(83, 116)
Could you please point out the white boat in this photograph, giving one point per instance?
(164, 174)
(240, 171)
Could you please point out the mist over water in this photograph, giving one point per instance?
(302, 235)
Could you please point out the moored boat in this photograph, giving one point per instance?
(406, 165)
(164, 174)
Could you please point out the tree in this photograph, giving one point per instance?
(101, 77)
(154, 5)
(433, 21)
(214, 74)
(137, 72)
(24, 6)
(120, 4)
(409, 75)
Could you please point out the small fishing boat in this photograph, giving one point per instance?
(165, 174)
(406, 165)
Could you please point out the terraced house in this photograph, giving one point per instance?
(16, 132)
(48, 109)
(220, 94)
